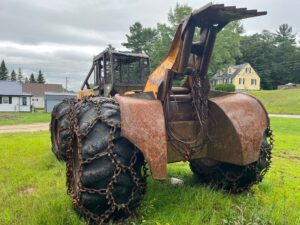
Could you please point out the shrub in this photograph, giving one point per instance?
(225, 87)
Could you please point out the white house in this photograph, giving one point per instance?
(12, 98)
(38, 92)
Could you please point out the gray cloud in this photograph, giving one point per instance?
(61, 36)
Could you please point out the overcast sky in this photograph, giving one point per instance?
(60, 37)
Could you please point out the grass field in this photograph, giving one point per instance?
(12, 118)
(280, 101)
(32, 187)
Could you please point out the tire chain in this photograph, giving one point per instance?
(140, 184)
(71, 102)
(264, 150)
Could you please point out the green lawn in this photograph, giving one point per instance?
(280, 101)
(12, 118)
(32, 187)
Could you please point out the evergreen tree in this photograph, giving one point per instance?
(140, 39)
(26, 80)
(20, 76)
(40, 78)
(13, 76)
(3, 71)
(285, 34)
(110, 47)
(32, 79)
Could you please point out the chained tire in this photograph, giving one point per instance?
(60, 128)
(235, 178)
(105, 172)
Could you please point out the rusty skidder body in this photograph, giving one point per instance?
(115, 126)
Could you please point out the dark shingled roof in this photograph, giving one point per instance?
(226, 75)
(12, 88)
(40, 89)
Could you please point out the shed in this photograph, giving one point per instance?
(54, 98)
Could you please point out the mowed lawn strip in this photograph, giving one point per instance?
(13, 118)
(275, 101)
(32, 187)
(280, 101)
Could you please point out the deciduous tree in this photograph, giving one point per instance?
(227, 47)
(166, 32)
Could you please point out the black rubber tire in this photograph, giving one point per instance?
(230, 177)
(60, 128)
(98, 153)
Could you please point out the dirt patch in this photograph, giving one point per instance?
(24, 128)
(289, 156)
(29, 190)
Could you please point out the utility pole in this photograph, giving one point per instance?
(67, 80)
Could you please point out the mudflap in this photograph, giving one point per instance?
(143, 124)
(237, 123)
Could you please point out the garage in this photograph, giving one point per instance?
(53, 98)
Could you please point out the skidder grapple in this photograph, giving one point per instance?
(124, 117)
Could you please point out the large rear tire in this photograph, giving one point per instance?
(234, 178)
(104, 170)
(60, 128)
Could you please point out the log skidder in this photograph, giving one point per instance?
(60, 128)
(226, 137)
(105, 172)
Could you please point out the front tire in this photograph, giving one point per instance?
(104, 170)
(60, 128)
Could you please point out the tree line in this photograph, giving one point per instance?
(4, 75)
(274, 55)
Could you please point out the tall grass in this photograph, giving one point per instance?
(32, 187)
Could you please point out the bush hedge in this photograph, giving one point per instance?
(225, 87)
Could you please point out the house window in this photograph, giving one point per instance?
(253, 82)
(241, 81)
(24, 101)
(230, 81)
(5, 100)
(229, 71)
(248, 70)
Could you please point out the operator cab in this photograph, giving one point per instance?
(116, 72)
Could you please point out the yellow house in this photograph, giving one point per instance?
(242, 76)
